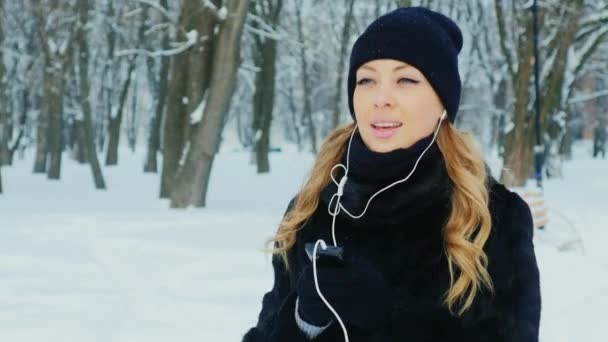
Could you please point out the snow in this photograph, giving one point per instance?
(197, 114)
(83, 265)
(52, 45)
(222, 13)
(192, 36)
(185, 151)
(508, 127)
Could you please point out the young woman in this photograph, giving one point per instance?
(427, 245)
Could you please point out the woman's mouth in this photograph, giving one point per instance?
(385, 129)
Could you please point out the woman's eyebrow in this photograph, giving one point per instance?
(399, 67)
(404, 66)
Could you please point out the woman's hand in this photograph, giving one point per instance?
(355, 289)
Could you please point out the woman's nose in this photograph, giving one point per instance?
(382, 97)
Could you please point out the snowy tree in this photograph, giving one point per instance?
(55, 22)
(266, 12)
(192, 178)
(571, 32)
(86, 132)
(189, 82)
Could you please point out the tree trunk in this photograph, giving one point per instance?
(5, 115)
(55, 132)
(132, 123)
(154, 138)
(519, 141)
(189, 80)
(294, 117)
(56, 44)
(498, 118)
(193, 178)
(305, 81)
(4, 134)
(115, 122)
(78, 135)
(48, 145)
(42, 131)
(88, 143)
(173, 136)
(22, 122)
(263, 98)
(108, 78)
(161, 96)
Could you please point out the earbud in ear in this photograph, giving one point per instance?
(444, 115)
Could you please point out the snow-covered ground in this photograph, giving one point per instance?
(83, 265)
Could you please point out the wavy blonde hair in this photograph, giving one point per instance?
(465, 232)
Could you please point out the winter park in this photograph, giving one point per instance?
(151, 152)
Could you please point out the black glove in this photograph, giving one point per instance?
(355, 289)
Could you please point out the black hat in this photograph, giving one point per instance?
(425, 39)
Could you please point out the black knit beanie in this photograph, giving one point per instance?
(425, 39)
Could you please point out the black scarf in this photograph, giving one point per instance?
(428, 189)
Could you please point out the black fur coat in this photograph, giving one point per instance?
(402, 235)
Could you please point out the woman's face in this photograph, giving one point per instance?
(394, 104)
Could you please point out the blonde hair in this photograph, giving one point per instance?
(465, 232)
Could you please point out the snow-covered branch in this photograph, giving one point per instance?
(588, 97)
(192, 37)
(577, 57)
(157, 27)
(595, 18)
(266, 34)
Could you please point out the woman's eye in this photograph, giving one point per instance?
(363, 81)
(407, 80)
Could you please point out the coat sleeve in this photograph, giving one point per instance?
(526, 282)
(276, 321)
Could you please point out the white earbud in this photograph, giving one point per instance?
(444, 115)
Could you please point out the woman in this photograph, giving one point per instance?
(433, 248)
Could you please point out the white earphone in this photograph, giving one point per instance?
(443, 115)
